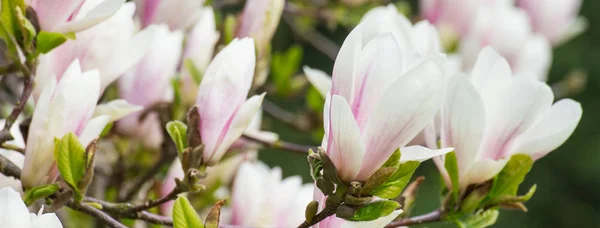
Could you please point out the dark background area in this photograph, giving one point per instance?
(568, 179)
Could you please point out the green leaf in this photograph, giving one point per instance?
(71, 159)
(26, 29)
(383, 173)
(193, 70)
(184, 215)
(314, 100)
(9, 23)
(178, 132)
(480, 220)
(507, 199)
(471, 202)
(39, 192)
(375, 210)
(397, 182)
(507, 182)
(451, 165)
(177, 98)
(283, 67)
(46, 41)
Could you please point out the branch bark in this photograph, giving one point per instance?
(292, 147)
(434, 216)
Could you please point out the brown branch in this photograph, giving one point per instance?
(96, 213)
(326, 212)
(12, 118)
(292, 147)
(299, 122)
(8, 168)
(316, 39)
(434, 216)
(13, 147)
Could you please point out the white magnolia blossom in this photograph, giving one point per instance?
(555, 19)
(177, 14)
(111, 47)
(72, 15)
(491, 115)
(16, 215)
(260, 198)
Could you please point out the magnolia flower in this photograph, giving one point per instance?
(63, 107)
(199, 49)
(259, 20)
(177, 14)
(382, 95)
(14, 156)
(16, 215)
(223, 172)
(492, 115)
(72, 15)
(148, 83)
(111, 47)
(453, 14)
(261, 198)
(555, 19)
(224, 111)
(507, 29)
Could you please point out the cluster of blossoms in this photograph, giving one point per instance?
(394, 99)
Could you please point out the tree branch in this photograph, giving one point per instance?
(292, 147)
(10, 120)
(316, 39)
(326, 212)
(434, 216)
(96, 213)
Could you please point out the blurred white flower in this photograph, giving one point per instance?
(177, 14)
(557, 20)
(72, 15)
(16, 215)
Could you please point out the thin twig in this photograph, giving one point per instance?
(326, 212)
(154, 203)
(321, 13)
(96, 213)
(297, 121)
(8, 168)
(434, 216)
(292, 147)
(13, 148)
(316, 39)
(12, 118)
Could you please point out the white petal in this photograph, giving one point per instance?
(463, 120)
(93, 129)
(420, 153)
(319, 79)
(491, 76)
(13, 210)
(518, 109)
(551, 131)
(535, 58)
(100, 13)
(116, 109)
(405, 108)
(347, 148)
(481, 171)
(346, 62)
(48, 220)
(238, 125)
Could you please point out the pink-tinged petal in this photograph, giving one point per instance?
(116, 109)
(380, 65)
(259, 20)
(147, 10)
(131, 51)
(319, 79)
(491, 76)
(386, 19)
(92, 129)
(13, 210)
(175, 171)
(420, 153)
(201, 42)
(178, 14)
(535, 58)
(521, 105)
(100, 13)
(223, 90)
(481, 171)
(347, 149)
(344, 68)
(551, 130)
(149, 81)
(406, 107)
(54, 13)
(250, 181)
(234, 129)
(82, 91)
(463, 121)
(326, 127)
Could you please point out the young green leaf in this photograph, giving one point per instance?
(178, 132)
(71, 160)
(283, 67)
(193, 70)
(451, 165)
(229, 28)
(375, 210)
(39, 192)
(46, 41)
(479, 220)
(184, 215)
(397, 182)
(9, 25)
(508, 180)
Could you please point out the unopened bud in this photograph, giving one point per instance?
(311, 210)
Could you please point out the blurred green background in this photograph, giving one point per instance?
(568, 179)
